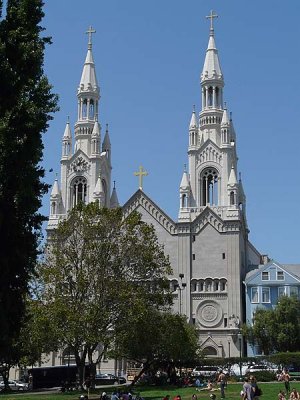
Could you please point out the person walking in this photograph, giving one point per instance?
(286, 379)
(222, 382)
(247, 390)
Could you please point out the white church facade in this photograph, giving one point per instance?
(208, 246)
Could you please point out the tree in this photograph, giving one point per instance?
(99, 270)
(276, 329)
(26, 104)
(157, 339)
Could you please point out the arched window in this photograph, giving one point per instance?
(184, 201)
(217, 97)
(209, 187)
(79, 190)
(210, 96)
(194, 286)
(91, 110)
(210, 351)
(53, 208)
(223, 285)
(208, 285)
(232, 198)
(84, 109)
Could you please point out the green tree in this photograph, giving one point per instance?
(157, 339)
(100, 267)
(26, 104)
(276, 329)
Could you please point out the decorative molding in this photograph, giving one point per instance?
(206, 295)
(140, 199)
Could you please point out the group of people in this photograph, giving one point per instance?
(250, 390)
(293, 395)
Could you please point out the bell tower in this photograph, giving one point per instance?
(86, 168)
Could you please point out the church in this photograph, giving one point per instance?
(208, 245)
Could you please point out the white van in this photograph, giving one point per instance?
(206, 370)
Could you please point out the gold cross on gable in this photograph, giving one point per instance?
(89, 32)
(211, 17)
(141, 173)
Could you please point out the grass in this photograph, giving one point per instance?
(270, 392)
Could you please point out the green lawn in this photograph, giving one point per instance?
(270, 392)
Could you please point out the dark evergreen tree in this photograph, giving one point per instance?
(26, 104)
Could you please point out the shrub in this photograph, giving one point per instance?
(264, 376)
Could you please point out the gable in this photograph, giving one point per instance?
(141, 201)
(254, 277)
(209, 216)
(209, 152)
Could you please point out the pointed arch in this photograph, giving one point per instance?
(78, 191)
(209, 186)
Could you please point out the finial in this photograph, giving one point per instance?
(56, 176)
(230, 115)
(106, 127)
(194, 108)
(184, 167)
(211, 17)
(240, 176)
(68, 119)
(89, 32)
(114, 184)
(225, 105)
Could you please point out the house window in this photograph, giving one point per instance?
(280, 276)
(265, 295)
(282, 291)
(265, 276)
(294, 291)
(254, 295)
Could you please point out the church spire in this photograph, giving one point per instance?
(211, 68)
(114, 201)
(212, 82)
(88, 81)
(67, 141)
(88, 95)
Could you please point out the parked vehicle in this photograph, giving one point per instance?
(14, 385)
(108, 379)
(260, 367)
(206, 371)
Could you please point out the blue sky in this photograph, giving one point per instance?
(149, 55)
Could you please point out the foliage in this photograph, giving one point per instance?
(286, 358)
(264, 376)
(158, 339)
(276, 330)
(270, 392)
(100, 269)
(26, 103)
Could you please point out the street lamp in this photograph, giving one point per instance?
(240, 346)
(181, 286)
(228, 348)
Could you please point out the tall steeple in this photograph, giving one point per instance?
(212, 84)
(88, 95)
(211, 150)
(85, 171)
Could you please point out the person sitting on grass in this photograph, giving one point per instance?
(294, 395)
(281, 395)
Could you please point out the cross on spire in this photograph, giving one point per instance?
(211, 17)
(89, 32)
(141, 173)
